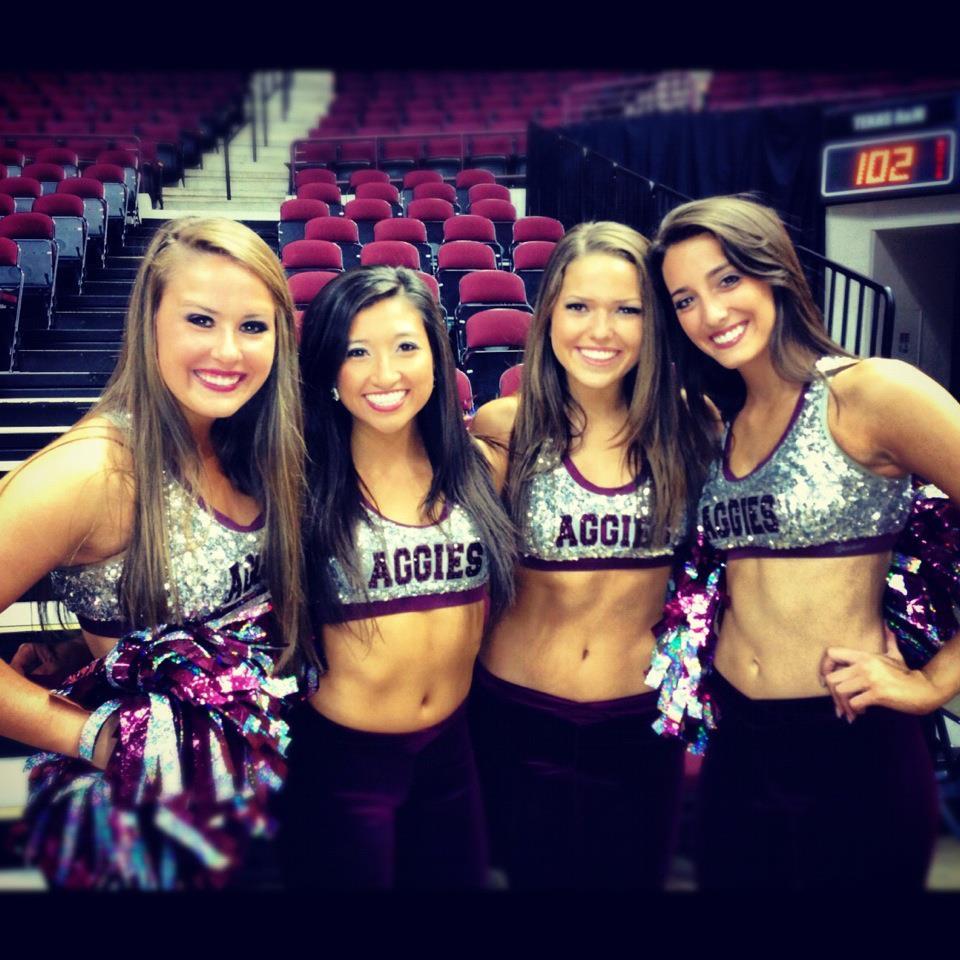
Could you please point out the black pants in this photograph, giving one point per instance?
(579, 795)
(793, 798)
(367, 810)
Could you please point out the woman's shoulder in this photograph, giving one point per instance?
(874, 381)
(496, 419)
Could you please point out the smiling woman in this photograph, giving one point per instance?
(165, 518)
(406, 548)
(581, 792)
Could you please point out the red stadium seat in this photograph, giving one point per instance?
(305, 286)
(338, 230)
(300, 256)
(365, 213)
(294, 215)
(393, 253)
(456, 259)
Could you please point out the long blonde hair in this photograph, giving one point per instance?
(260, 447)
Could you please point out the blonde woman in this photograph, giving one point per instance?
(166, 518)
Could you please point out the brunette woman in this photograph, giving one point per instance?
(581, 792)
(818, 772)
(405, 539)
(164, 518)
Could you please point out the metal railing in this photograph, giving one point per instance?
(858, 312)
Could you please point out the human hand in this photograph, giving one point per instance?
(49, 664)
(858, 679)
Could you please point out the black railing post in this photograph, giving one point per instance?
(226, 163)
(263, 110)
(253, 122)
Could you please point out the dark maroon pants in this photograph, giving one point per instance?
(367, 810)
(579, 795)
(790, 797)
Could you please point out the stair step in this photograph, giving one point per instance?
(67, 361)
(88, 320)
(112, 302)
(71, 339)
(46, 411)
(47, 384)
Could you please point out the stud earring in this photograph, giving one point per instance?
(335, 393)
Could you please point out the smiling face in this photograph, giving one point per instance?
(387, 375)
(596, 326)
(727, 314)
(216, 336)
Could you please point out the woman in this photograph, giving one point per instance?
(581, 792)
(404, 534)
(164, 517)
(805, 785)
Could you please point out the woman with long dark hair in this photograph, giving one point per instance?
(406, 546)
(817, 772)
(166, 517)
(581, 792)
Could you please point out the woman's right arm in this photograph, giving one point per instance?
(57, 509)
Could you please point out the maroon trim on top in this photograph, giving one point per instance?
(429, 601)
(582, 481)
(729, 474)
(596, 563)
(410, 526)
(231, 524)
(836, 548)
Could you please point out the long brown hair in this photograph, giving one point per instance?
(549, 418)
(755, 241)
(260, 447)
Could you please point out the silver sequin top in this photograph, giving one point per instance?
(405, 568)
(573, 523)
(807, 498)
(214, 561)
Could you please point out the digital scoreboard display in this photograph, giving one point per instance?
(911, 161)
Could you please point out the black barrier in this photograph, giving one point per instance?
(573, 183)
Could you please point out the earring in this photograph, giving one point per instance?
(335, 393)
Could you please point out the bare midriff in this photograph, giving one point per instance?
(402, 672)
(584, 635)
(785, 611)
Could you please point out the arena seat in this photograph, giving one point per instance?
(48, 175)
(129, 162)
(398, 157)
(13, 159)
(529, 260)
(413, 179)
(495, 341)
(376, 190)
(443, 154)
(294, 216)
(24, 191)
(94, 208)
(510, 380)
(301, 256)
(365, 213)
(440, 191)
(486, 191)
(503, 214)
(359, 177)
(434, 213)
(484, 290)
(470, 178)
(329, 193)
(7, 204)
(338, 230)
(455, 260)
(11, 291)
(70, 229)
(314, 175)
(115, 193)
(537, 228)
(305, 286)
(410, 231)
(393, 253)
(465, 394)
(34, 234)
(63, 156)
(469, 226)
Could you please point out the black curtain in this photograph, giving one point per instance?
(771, 152)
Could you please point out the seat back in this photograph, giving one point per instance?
(393, 253)
(338, 230)
(294, 216)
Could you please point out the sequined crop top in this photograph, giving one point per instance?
(214, 561)
(404, 568)
(807, 497)
(572, 523)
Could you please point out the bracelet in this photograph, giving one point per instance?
(90, 729)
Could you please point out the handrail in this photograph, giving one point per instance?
(379, 139)
(844, 294)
